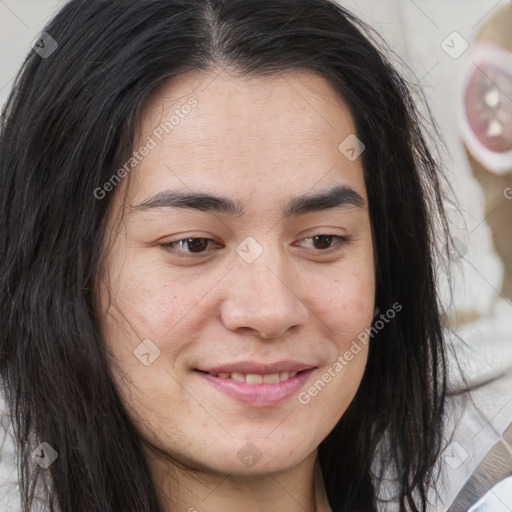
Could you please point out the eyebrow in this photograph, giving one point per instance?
(340, 196)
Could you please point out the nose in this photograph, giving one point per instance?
(263, 298)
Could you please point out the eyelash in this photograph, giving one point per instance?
(342, 241)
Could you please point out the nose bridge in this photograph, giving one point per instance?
(261, 294)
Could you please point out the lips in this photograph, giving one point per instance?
(255, 378)
(251, 367)
(258, 373)
(487, 108)
(258, 384)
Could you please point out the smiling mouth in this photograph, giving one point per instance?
(254, 378)
(259, 389)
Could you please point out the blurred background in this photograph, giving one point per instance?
(435, 43)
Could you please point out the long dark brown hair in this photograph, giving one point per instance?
(70, 122)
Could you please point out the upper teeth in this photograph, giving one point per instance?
(492, 98)
(253, 378)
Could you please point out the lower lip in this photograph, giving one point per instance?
(262, 395)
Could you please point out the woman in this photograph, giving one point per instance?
(217, 287)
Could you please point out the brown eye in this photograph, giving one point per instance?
(197, 244)
(327, 242)
(488, 103)
(188, 245)
(322, 241)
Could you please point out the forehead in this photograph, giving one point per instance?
(245, 134)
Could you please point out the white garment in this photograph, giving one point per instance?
(479, 417)
(9, 491)
(498, 499)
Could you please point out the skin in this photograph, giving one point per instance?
(260, 141)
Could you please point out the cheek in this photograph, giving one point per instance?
(348, 310)
(151, 299)
(347, 303)
(329, 395)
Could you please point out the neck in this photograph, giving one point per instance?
(182, 489)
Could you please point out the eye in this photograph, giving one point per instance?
(327, 243)
(200, 245)
(188, 245)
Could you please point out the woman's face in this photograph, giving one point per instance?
(185, 321)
